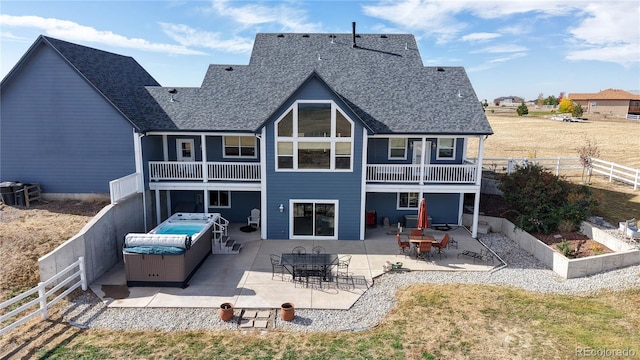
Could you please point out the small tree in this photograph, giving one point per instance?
(577, 110)
(522, 110)
(586, 152)
(542, 201)
(540, 100)
(551, 100)
(566, 106)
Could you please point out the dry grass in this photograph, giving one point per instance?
(519, 137)
(26, 234)
(430, 321)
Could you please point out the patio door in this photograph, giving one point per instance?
(184, 149)
(313, 219)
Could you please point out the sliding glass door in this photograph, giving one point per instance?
(314, 219)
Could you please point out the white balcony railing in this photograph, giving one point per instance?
(124, 187)
(193, 170)
(384, 173)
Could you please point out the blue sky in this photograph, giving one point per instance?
(520, 48)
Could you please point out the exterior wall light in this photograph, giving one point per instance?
(281, 207)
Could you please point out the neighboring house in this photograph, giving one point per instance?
(610, 102)
(507, 101)
(67, 117)
(317, 131)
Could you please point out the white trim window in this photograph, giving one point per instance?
(446, 149)
(397, 148)
(239, 147)
(314, 136)
(408, 200)
(219, 198)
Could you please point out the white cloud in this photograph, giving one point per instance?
(72, 31)
(609, 33)
(505, 48)
(188, 36)
(605, 30)
(438, 17)
(508, 58)
(288, 18)
(482, 36)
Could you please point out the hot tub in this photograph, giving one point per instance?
(171, 253)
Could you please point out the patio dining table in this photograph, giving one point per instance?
(305, 265)
(417, 239)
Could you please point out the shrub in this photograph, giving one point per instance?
(543, 201)
(522, 110)
(564, 248)
(577, 110)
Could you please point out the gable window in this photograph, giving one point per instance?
(239, 146)
(219, 199)
(314, 135)
(407, 200)
(446, 149)
(397, 149)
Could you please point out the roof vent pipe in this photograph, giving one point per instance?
(353, 25)
(172, 92)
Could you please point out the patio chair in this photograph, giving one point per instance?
(424, 251)
(276, 266)
(403, 246)
(318, 250)
(299, 250)
(416, 232)
(442, 245)
(343, 268)
(254, 218)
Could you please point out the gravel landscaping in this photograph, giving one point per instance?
(522, 271)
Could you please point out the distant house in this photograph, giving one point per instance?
(324, 133)
(611, 102)
(507, 101)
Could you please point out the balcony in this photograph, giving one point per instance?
(378, 173)
(415, 174)
(195, 171)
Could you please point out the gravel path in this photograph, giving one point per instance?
(522, 271)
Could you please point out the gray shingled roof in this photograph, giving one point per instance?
(119, 78)
(382, 79)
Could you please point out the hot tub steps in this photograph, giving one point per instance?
(230, 247)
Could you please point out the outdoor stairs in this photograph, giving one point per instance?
(226, 245)
(230, 246)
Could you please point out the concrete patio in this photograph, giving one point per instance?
(245, 279)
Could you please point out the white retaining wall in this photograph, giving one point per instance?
(100, 241)
(567, 268)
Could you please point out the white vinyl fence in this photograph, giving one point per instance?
(63, 279)
(565, 166)
(616, 172)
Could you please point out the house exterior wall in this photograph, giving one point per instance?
(57, 130)
(606, 107)
(282, 186)
(378, 152)
(442, 208)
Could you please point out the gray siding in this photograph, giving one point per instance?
(59, 131)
